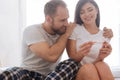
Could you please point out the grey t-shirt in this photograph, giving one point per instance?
(30, 61)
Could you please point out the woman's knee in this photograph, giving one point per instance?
(87, 71)
(102, 66)
(104, 69)
(88, 67)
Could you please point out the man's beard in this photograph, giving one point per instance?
(58, 31)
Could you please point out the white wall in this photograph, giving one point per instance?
(11, 23)
(9, 33)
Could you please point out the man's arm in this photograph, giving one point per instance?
(52, 53)
(47, 52)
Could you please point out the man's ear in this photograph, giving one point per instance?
(49, 19)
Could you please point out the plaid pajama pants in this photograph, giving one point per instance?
(65, 70)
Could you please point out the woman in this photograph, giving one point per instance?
(87, 43)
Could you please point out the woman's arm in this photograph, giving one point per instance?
(78, 55)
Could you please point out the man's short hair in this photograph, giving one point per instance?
(50, 7)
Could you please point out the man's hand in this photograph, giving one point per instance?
(70, 29)
(108, 33)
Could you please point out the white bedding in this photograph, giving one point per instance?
(2, 69)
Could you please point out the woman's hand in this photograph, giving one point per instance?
(84, 49)
(104, 51)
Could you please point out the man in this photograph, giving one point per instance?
(43, 45)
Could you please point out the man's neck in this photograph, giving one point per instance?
(48, 29)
